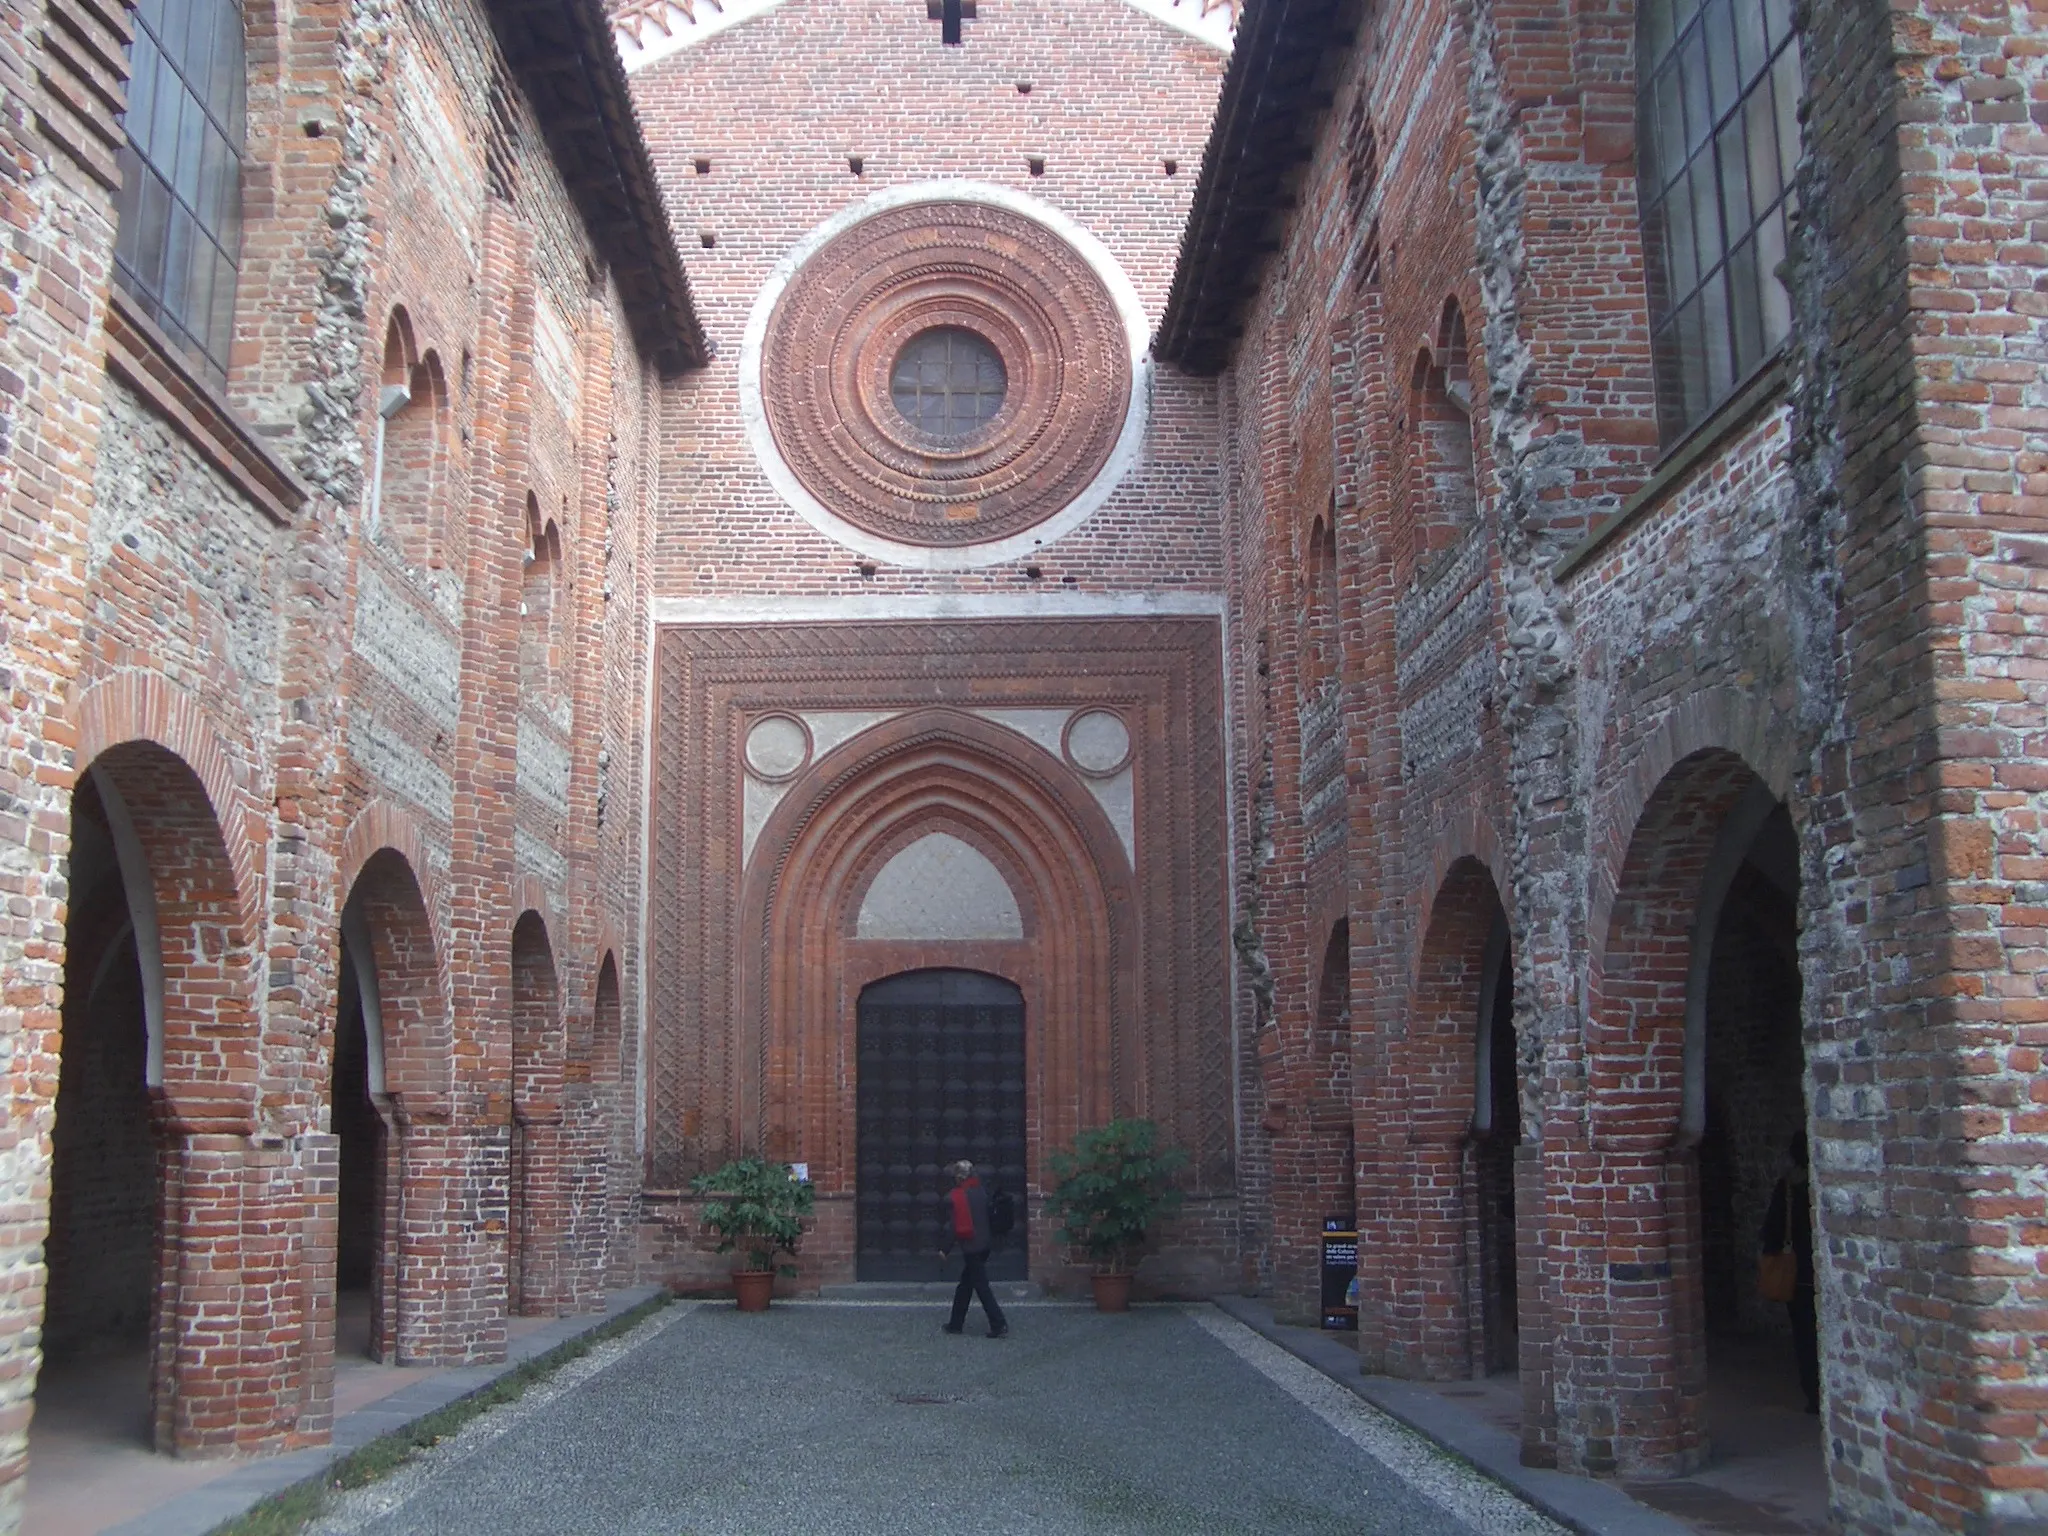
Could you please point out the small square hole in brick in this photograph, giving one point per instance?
(703, 165)
(1037, 164)
(856, 164)
(708, 238)
(1023, 87)
(1170, 166)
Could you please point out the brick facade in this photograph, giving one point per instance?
(1723, 745)
(262, 729)
(444, 768)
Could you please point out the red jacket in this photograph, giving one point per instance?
(967, 1217)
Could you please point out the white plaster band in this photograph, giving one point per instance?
(936, 605)
(1130, 441)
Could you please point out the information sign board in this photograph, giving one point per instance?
(1340, 1273)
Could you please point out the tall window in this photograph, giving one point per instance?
(180, 212)
(1719, 137)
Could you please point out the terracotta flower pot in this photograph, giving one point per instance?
(1112, 1293)
(753, 1287)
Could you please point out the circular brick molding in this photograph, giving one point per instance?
(1062, 384)
(777, 748)
(1098, 743)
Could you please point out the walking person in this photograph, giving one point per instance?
(967, 1220)
(1788, 1228)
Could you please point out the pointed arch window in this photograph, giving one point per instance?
(179, 241)
(1717, 109)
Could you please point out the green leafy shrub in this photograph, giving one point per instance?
(1111, 1187)
(760, 1210)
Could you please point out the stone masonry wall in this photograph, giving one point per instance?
(279, 698)
(1764, 623)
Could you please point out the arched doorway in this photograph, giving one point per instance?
(1697, 1056)
(101, 1251)
(536, 1220)
(1337, 1177)
(158, 1056)
(1496, 1133)
(359, 1204)
(941, 1077)
(1446, 1241)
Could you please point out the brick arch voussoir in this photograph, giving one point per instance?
(530, 895)
(384, 857)
(131, 705)
(382, 824)
(1439, 1057)
(1720, 717)
(539, 1032)
(1470, 837)
(939, 813)
(607, 1044)
(992, 754)
(1639, 954)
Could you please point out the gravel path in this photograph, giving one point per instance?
(864, 1418)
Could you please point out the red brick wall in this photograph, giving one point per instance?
(775, 106)
(1775, 612)
(276, 697)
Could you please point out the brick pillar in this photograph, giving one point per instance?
(543, 1216)
(223, 1370)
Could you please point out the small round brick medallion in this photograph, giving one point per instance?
(777, 747)
(946, 373)
(1098, 743)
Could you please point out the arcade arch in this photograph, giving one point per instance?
(1450, 1311)
(536, 1221)
(389, 1112)
(1696, 1058)
(158, 1050)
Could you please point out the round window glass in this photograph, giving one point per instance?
(948, 382)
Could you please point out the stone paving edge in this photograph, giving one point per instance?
(1582, 1504)
(201, 1510)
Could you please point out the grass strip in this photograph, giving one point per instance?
(288, 1512)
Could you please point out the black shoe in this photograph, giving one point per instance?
(999, 1333)
(951, 1327)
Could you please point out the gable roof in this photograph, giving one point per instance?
(653, 29)
(563, 56)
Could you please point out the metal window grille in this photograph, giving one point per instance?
(1719, 138)
(180, 210)
(948, 382)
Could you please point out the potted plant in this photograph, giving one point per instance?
(1107, 1192)
(759, 1209)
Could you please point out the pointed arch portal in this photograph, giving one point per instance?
(837, 805)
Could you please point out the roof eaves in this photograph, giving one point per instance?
(1265, 120)
(567, 64)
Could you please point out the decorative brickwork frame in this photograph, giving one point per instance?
(754, 972)
(853, 306)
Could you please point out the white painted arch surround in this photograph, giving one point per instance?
(1130, 443)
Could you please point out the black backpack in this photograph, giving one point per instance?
(1002, 1213)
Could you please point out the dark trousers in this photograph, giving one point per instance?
(974, 1281)
(1805, 1342)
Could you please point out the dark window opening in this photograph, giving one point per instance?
(948, 382)
(179, 214)
(1719, 133)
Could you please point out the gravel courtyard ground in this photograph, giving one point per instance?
(825, 1417)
